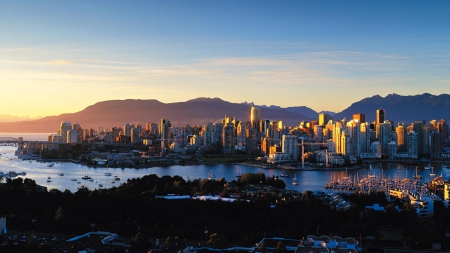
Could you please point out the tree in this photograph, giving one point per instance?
(171, 243)
(280, 247)
(139, 243)
(216, 240)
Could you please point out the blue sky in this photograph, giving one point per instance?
(321, 54)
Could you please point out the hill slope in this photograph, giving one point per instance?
(119, 112)
(401, 108)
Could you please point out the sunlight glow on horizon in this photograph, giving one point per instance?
(323, 56)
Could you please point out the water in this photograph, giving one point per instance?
(308, 180)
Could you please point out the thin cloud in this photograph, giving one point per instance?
(60, 62)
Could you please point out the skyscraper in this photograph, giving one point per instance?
(361, 117)
(255, 117)
(380, 116)
(63, 129)
(323, 119)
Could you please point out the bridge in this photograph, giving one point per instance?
(9, 141)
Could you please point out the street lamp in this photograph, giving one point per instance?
(33, 221)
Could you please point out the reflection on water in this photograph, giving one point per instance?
(307, 180)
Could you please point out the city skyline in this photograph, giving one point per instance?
(60, 57)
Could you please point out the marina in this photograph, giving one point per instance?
(368, 176)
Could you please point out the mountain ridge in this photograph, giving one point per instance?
(202, 110)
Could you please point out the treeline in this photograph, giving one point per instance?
(133, 207)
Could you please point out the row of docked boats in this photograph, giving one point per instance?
(11, 174)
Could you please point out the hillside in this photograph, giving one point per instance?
(401, 108)
(117, 113)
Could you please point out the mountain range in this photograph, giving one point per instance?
(201, 111)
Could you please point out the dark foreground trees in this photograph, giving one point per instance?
(134, 210)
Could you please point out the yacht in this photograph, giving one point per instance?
(294, 180)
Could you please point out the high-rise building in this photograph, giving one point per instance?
(65, 127)
(412, 145)
(165, 131)
(255, 116)
(401, 138)
(364, 132)
(352, 130)
(420, 128)
(289, 146)
(228, 138)
(380, 115)
(442, 127)
(323, 119)
(436, 147)
(361, 117)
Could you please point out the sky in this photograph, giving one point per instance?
(62, 56)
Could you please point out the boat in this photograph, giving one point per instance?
(100, 185)
(78, 182)
(416, 175)
(346, 175)
(85, 177)
(49, 177)
(238, 173)
(107, 173)
(432, 172)
(211, 175)
(427, 167)
(284, 175)
(91, 179)
(294, 180)
(73, 179)
(60, 174)
(117, 178)
(112, 181)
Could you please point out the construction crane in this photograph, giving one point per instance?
(303, 144)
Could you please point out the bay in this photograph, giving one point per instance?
(308, 180)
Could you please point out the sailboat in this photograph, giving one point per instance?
(85, 177)
(238, 173)
(346, 175)
(294, 180)
(417, 176)
(107, 173)
(432, 172)
(211, 175)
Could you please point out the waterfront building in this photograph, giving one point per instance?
(384, 136)
(289, 146)
(72, 136)
(392, 149)
(412, 145)
(318, 133)
(228, 138)
(436, 146)
(63, 129)
(376, 149)
(352, 130)
(338, 130)
(56, 138)
(419, 127)
(364, 133)
(400, 131)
